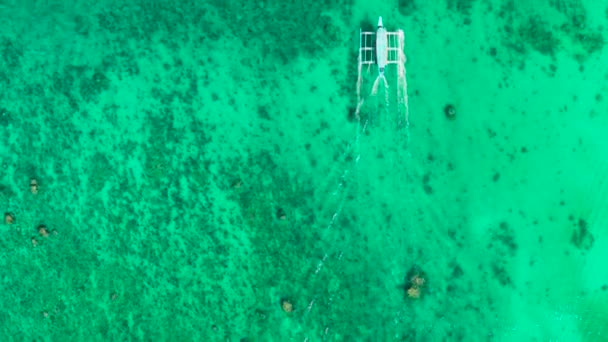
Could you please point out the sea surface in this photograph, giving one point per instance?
(226, 171)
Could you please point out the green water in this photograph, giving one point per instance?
(198, 162)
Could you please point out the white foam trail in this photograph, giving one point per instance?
(377, 82)
(340, 190)
(402, 121)
(402, 97)
(385, 91)
(359, 82)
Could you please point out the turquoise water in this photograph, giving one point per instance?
(199, 164)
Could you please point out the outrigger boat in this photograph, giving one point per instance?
(383, 48)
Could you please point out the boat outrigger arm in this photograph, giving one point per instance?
(383, 48)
